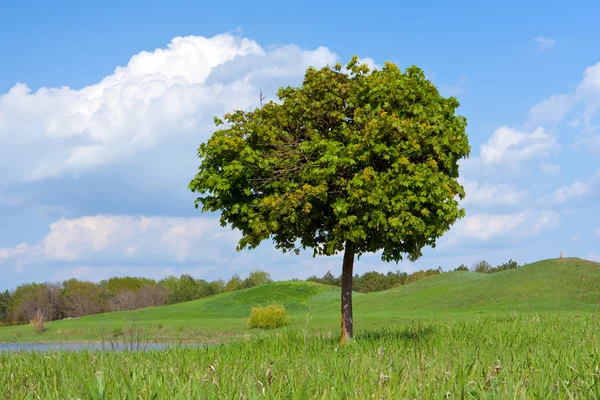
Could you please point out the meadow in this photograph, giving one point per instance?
(532, 332)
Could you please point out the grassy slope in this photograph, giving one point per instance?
(560, 285)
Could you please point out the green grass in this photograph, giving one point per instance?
(509, 357)
(529, 333)
(550, 286)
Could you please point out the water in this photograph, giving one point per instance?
(12, 347)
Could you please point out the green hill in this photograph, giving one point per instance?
(558, 285)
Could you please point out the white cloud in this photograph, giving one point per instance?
(551, 110)
(590, 83)
(550, 168)
(157, 98)
(484, 227)
(486, 194)
(510, 146)
(106, 238)
(13, 252)
(574, 191)
(544, 43)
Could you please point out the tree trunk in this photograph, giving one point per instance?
(347, 267)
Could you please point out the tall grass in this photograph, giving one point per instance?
(522, 357)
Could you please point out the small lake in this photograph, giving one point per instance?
(12, 347)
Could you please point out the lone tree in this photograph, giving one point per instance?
(357, 161)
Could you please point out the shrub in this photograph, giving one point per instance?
(38, 322)
(272, 316)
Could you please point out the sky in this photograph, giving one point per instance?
(104, 104)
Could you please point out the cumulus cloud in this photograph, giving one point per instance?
(574, 191)
(551, 110)
(544, 43)
(590, 83)
(511, 146)
(161, 96)
(484, 227)
(113, 238)
(482, 194)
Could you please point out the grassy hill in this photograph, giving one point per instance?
(558, 285)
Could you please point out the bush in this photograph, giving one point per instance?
(272, 316)
(38, 322)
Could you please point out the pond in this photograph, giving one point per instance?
(12, 347)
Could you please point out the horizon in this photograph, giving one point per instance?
(101, 117)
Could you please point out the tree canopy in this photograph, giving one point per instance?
(357, 160)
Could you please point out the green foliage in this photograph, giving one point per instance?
(4, 304)
(462, 267)
(235, 283)
(257, 278)
(116, 284)
(28, 300)
(365, 157)
(483, 267)
(83, 298)
(272, 316)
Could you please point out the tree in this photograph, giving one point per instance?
(257, 278)
(4, 304)
(461, 267)
(357, 161)
(235, 283)
(482, 267)
(30, 300)
(83, 298)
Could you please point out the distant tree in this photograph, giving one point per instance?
(116, 284)
(235, 283)
(354, 161)
(152, 296)
(510, 264)
(482, 267)
(4, 304)
(186, 289)
(34, 299)
(83, 298)
(257, 278)
(462, 267)
(216, 287)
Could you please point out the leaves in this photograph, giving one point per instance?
(360, 156)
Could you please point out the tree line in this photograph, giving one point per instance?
(75, 298)
(376, 281)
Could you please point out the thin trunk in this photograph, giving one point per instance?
(347, 294)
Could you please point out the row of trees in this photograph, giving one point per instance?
(484, 267)
(376, 281)
(75, 298)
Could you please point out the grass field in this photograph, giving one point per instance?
(551, 286)
(533, 332)
(510, 357)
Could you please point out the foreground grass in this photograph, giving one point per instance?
(515, 356)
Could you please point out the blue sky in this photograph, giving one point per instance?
(102, 107)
